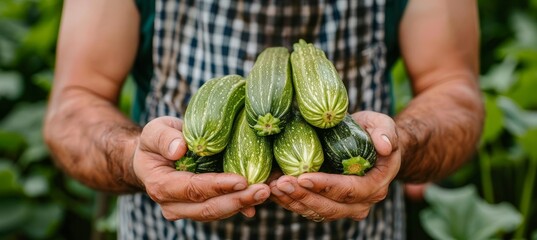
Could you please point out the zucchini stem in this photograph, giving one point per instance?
(186, 164)
(267, 125)
(355, 166)
(199, 146)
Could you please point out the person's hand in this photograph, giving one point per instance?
(323, 196)
(201, 197)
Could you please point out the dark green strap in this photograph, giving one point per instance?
(142, 70)
(394, 13)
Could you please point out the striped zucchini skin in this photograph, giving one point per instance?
(193, 163)
(247, 154)
(209, 115)
(321, 95)
(297, 149)
(348, 148)
(269, 91)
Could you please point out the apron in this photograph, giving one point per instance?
(194, 41)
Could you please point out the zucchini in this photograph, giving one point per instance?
(348, 148)
(297, 149)
(247, 154)
(321, 95)
(197, 164)
(209, 115)
(269, 91)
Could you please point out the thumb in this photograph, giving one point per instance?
(163, 136)
(382, 142)
(381, 128)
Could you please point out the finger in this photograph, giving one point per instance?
(315, 206)
(304, 201)
(381, 128)
(163, 136)
(218, 207)
(248, 212)
(346, 188)
(286, 201)
(180, 186)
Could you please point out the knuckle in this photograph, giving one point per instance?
(170, 215)
(360, 216)
(155, 192)
(194, 192)
(380, 195)
(347, 194)
(209, 212)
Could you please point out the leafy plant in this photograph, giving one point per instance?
(461, 214)
(505, 166)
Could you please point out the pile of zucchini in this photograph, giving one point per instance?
(292, 107)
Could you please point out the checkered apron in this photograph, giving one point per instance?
(198, 40)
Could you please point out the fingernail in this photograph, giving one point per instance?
(239, 186)
(386, 139)
(306, 183)
(260, 195)
(173, 146)
(276, 192)
(247, 212)
(288, 188)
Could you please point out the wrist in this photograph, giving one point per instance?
(130, 176)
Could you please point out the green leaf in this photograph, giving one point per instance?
(43, 220)
(79, 189)
(42, 37)
(493, 120)
(34, 153)
(44, 79)
(11, 144)
(107, 223)
(525, 29)
(517, 120)
(26, 119)
(36, 185)
(11, 33)
(461, 214)
(528, 141)
(523, 92)
(9, 179)
(500, 77)
(14, 212)
(11, 85)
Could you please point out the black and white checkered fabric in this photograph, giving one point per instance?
(195, 41)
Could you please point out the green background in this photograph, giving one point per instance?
(492, 197)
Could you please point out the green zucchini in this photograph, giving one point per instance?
(247, 154)
(269, 91)
(210, 113)
(297, 149)
(348, 148)
(321, 95)
(197, 164)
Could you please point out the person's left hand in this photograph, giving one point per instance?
(323, 196)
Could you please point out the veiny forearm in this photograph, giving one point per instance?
(439, 130)
(92, 141)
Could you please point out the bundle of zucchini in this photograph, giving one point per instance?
(298, 136)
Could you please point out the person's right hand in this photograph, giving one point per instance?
(201, 197)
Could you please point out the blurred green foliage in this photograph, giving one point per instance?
(37, 201)
(505, 166)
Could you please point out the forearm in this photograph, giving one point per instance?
(92, 141)
(439, 130)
